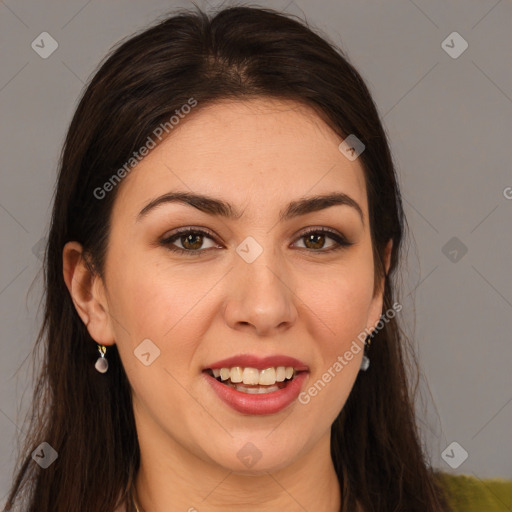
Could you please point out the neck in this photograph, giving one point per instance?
(171, 479)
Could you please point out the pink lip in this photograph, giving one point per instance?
(268, 403)
(248, 360)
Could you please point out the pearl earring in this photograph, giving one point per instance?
(365, 362)
(101, 363)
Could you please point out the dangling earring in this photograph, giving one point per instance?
(101, 363)
(365, 362)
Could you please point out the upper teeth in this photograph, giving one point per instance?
(253, 376)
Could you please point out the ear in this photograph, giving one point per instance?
(87, 293)
(375, 312)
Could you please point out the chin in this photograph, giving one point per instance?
(257, 456)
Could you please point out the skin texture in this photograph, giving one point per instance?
(294, 300)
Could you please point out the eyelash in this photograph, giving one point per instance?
(341, 241)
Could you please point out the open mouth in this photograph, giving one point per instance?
(254, 381)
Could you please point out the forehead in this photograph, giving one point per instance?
(242, 151)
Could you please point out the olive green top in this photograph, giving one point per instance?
(471, 494)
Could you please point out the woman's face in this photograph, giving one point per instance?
(255, 286)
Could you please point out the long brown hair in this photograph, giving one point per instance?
(86, 417)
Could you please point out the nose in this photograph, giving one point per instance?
(260, 297)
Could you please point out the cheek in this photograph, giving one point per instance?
(337, 319)
(338, 301)
(163, 308)
(170, 308)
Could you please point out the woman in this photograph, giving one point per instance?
(221, 322)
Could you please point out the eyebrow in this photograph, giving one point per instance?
(213, 206)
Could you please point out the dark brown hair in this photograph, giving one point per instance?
(86, 417)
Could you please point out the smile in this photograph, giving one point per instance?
(253, 381)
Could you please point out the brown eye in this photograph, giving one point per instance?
(190, 241)
(323, 241)
(193, 241)
(314, 240)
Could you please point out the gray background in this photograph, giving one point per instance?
(450, 124)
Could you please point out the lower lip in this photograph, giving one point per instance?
(267, 403)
